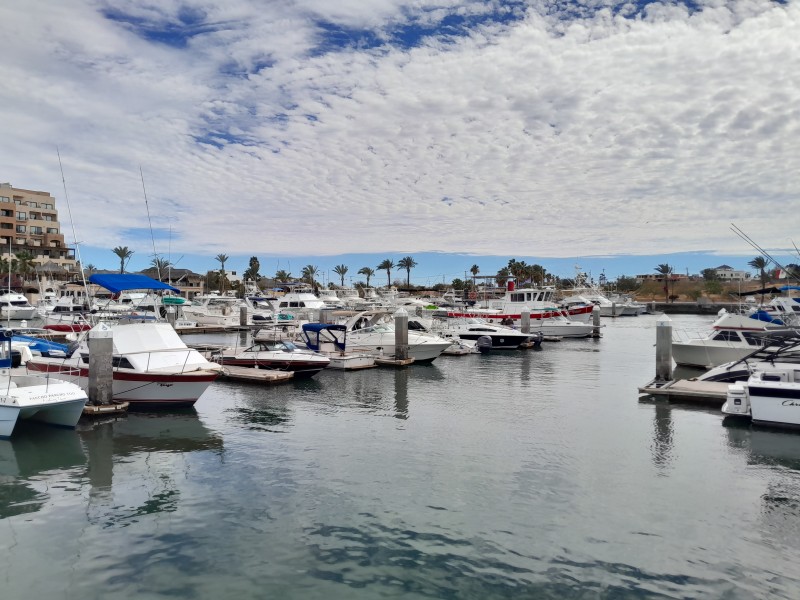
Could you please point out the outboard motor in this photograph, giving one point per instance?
(737, 402)
(484, 344)
(536, 338)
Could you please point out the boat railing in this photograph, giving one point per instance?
(151, 353)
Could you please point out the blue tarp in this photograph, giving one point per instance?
(117, 283)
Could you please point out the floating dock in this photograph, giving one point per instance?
(251, 375)
(688, 390)
(105, 410)
(394, 362)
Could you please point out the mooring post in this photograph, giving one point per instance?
(613, 309)
(242, 316)
(525, 320)
(595, 321)
(172, 316)
(101, 370)
(664, 348)
(401, 334)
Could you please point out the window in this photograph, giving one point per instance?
(6, 213)
(727, 336)
(20, 228)
(47, 217)
(5, 199)
(33, 205)
(6, 226)
(36, 230)
(52, 230)
(21, 216)
(50, 206)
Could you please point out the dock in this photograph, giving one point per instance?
(688, 390)
(251, 375)
(394, 362)
(105, 410)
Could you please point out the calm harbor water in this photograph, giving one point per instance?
(522, 474)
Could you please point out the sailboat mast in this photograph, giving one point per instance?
(72, 224)
(152, 238)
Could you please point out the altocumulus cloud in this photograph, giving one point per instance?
(518, 128)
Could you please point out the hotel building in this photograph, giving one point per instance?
(29, 222)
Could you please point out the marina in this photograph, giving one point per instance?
(523, 473)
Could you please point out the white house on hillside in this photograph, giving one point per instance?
(726, 273)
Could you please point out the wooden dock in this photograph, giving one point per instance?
(394, 362)
(251, 375)
(688, 390)
(105, 410)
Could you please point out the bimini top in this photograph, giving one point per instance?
(120, 282)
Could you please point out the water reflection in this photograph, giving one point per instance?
(34, 450)
(661, 448)
(133, 463)
(401, 393)
(779, 452)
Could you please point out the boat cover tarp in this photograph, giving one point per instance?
(769, 290)
(121, 282)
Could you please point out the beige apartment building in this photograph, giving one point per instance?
(29, 222)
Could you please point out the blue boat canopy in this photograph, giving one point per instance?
(120, 282)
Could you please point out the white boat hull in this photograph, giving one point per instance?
(775, 403)
(55, 402)
(707, 354)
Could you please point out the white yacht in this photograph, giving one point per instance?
(770, 396)
(16, 307)
(38, 398)
(471, 328)
(732, 337)
(373, 332)
(214, 309)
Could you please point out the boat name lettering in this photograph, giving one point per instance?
(790, 403)
(165, 384)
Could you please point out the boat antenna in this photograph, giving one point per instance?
(152, 238)
(72, 224)
(8, 310)
(763, 252)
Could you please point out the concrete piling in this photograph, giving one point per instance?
(243, 316)
(101, 370)
(525, 320)
(596, 321)
(664, 349)
(401, 334)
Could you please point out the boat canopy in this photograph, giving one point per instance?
(121, 282)
(312, 331)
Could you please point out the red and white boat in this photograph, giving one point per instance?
(152, 367)
(540, 302)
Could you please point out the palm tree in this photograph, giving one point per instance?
(310, 272)
(283, 276)
(387, 265)
(502, 276)
(161, 265)
(407, 263)
(124, 255)
(760, 263)
(341, 271)
(665, 270)
(25, 262)
(474, 269)
(222, 258)
(366, 272)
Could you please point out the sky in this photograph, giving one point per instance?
(614, 135)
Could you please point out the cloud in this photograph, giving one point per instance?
(323, 128)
